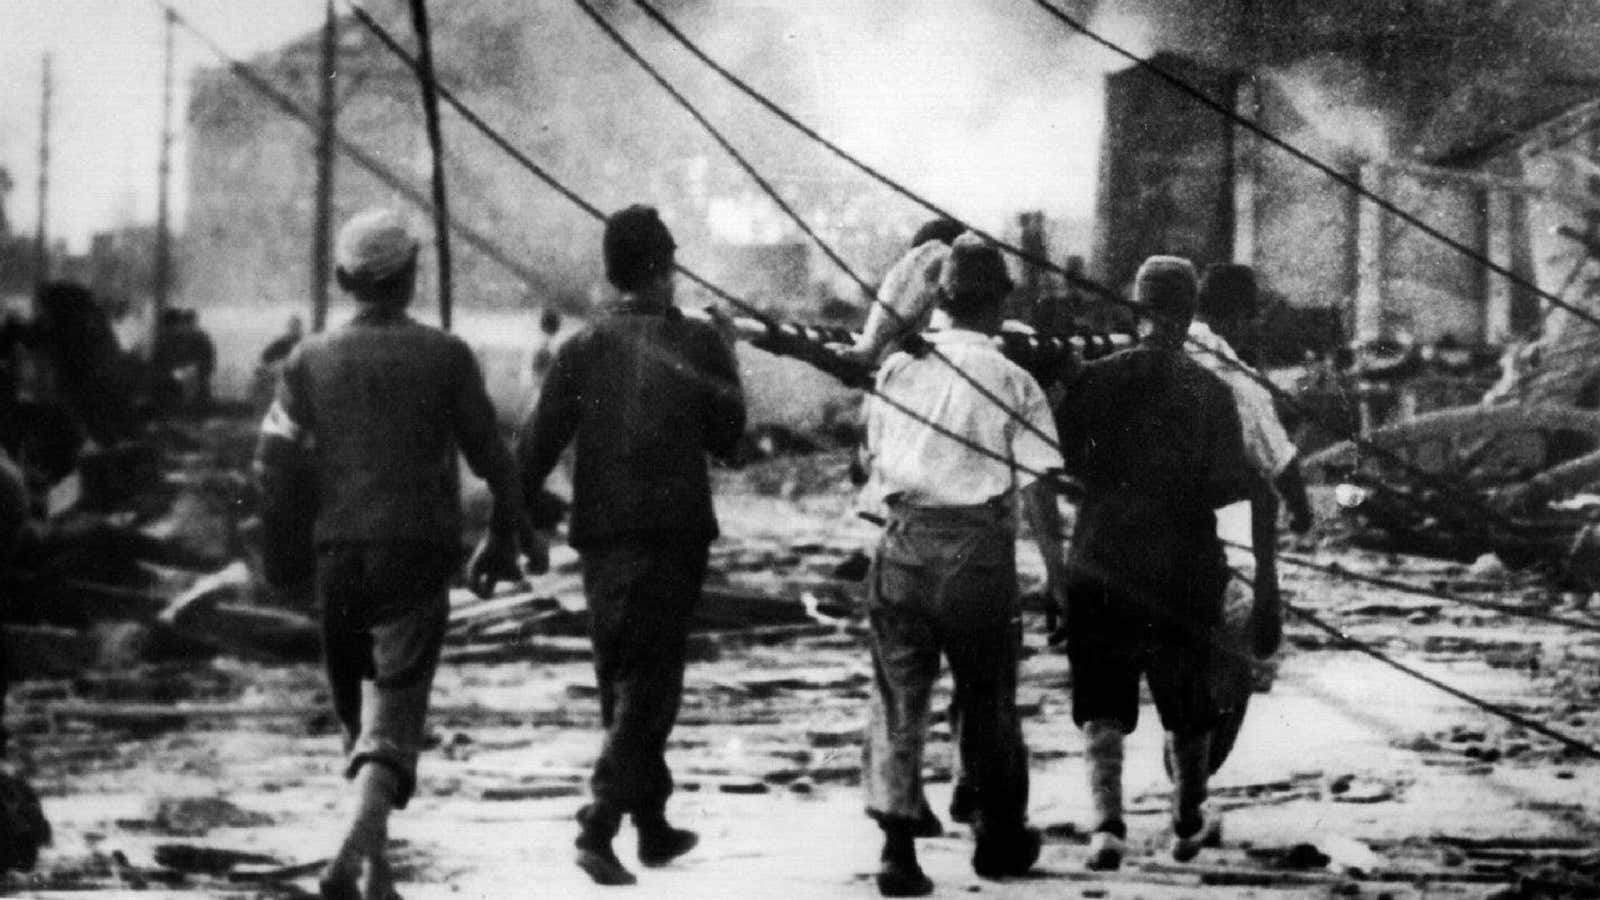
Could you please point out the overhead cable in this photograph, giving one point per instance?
(1344, 180)
(788, 210)
(1471, 511)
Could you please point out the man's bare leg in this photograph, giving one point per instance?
(365, 840)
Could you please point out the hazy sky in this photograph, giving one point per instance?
(993, 132)
(105, 116)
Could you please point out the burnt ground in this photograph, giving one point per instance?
(1349, 779)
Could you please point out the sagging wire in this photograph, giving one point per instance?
(1494, 709)
(1052, 478)
(1470, 510)
(550, 180)
(1340, 178)
(595, 212)
(1340, 572)
(794, 215)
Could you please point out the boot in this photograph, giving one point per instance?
(659, 842)
(1189, 757)
(928, 824)
(1104, 755)
(595, 856)
(1006, 851)
(899, 875)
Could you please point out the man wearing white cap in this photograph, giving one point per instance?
(1155, 439)
(368, 419)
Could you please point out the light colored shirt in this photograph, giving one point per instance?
(930, 468)
(1266, 443)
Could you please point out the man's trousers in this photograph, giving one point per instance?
(945, 581)
(642, 590)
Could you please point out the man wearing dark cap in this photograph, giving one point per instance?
(1156, 442)
(368, 418)
(944, 580)
(645, 394)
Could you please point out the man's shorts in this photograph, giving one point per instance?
(385, 608)
(1114, 638)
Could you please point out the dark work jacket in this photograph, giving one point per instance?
(645, 394)
(384, 403)
(1155, 439)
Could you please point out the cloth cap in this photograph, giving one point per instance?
(374, 245)
(945, 231)
(1228, 290)
(974, 273)
(1166, 284)
(637, 247)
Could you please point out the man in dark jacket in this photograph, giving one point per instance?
(645, 394)
(368, 419)
(1155, 439)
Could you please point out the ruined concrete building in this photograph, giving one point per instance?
(561, 94)
(1481, 118)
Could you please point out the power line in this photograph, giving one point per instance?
(543, 175)
(1340, 572)
(1341, 178)
(430, 113)
(1050, 478)
(788, 209)
(1494, 709)
(1471, 511)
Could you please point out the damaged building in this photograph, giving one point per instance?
(1443, 109)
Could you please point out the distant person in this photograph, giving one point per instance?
(185, 357)
(1155, 440)
(368, 420)
(73, 336)
(944, 578)
(644, 394)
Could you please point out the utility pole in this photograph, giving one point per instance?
(41, 252)
(163, 262)
(430, 109)
(322, 227)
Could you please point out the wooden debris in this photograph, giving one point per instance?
(541, 791)
(207, 860)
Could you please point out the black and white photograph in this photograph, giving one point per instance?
(806, 449)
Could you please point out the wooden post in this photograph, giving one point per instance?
(163, 261)
(1244, 162)
(430, 110)
(1369, 277)
(41, 239)
(322, 226)
(1370, 257)
(1499, 243)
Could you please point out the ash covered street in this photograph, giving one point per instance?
(222, 776)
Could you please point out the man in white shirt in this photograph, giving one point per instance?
(944, 578)
(1227, 300)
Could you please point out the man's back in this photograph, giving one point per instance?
(645, 395)
(1156, 440)
(387, 401)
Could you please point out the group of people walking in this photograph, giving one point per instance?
(358, 458)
